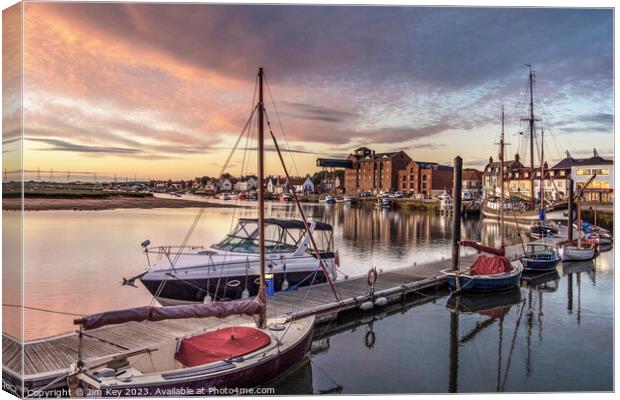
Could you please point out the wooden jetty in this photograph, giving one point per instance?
(46, 360)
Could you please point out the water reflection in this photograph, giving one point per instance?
(493, 308)
(531, 338)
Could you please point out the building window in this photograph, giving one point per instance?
(598, 185)
(562, 173)
(584, 172)
(601, 171)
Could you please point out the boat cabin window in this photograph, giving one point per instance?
(278, 239)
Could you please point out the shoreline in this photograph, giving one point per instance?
(49, 204)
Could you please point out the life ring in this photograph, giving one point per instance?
(371, 278)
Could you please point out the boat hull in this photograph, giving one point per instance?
(180, 291)
(574, 253)
(484, 283)
(251, 376)
(530, 264)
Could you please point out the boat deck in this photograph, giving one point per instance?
(45, 360)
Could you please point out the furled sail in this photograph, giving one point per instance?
(219, 309)
(485, 249)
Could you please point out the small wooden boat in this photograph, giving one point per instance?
(233, 356)
(540, 257)
(580, 250)
(329, 200)
(488, 273)
(541, 229)
(384, 203)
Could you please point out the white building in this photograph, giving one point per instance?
(225, 185)
(308, 185)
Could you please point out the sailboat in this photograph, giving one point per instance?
(541, 256)
(542, 227)
(235, 355)
(583, 248)
(527, 212)
(493, 271)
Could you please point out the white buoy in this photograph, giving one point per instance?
(380, 301)
(207, 299)
(367, 305)
(245, 294)
(284, 285)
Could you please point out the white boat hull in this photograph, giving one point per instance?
(574, 253)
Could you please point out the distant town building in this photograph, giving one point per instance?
(472, 182)
(426, 179)
(490, 175)
(244, 185)
(601, 189)
(373, 172)
(225, 185)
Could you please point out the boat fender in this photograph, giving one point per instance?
(371, 278)
(245, 293)
(380, 301)
(207, 299)
(369, 339)
(366, 306)
(284, 285)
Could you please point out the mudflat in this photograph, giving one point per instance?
(85, 204)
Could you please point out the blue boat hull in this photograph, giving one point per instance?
(484, 283)
(539, 265)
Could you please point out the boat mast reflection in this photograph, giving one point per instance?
(494, 306)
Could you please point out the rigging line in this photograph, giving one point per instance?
(201, 211)
(273, 102)
(42, 310)
(238, 140)
(301, 212)
(249, 134)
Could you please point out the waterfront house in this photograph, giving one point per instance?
(601, 190)
(373, 172)
(244, 185)
(225, 185)
(490, 175)
(426, 179)
(472, 182)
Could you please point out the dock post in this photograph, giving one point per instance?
(571, 207)
(456, 211)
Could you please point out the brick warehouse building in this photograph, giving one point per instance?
(425, 178)
(374, 172)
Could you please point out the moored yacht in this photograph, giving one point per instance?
(230, 269)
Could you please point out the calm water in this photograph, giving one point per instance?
(555, 338)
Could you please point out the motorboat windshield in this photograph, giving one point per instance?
(281, 236)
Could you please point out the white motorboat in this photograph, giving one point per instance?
(230, 269)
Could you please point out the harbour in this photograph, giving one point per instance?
(415, 284)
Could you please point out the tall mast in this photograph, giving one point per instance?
(501, 181)
(542, 170)
(261, 192)
(531, 137)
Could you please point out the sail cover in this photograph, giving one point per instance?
(490, 265)
(485, 249)
(220, 309)
(222, 344)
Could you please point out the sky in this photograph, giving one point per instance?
(163, 91)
